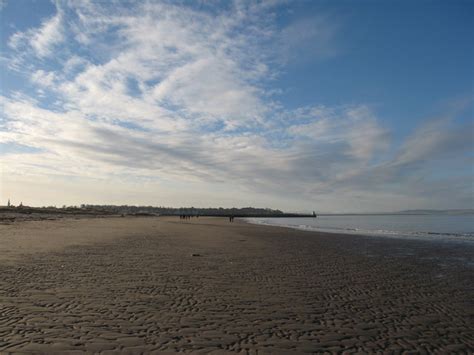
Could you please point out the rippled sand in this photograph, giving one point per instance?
(139, 285)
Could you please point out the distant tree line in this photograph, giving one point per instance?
(190, 211)
(150, 211)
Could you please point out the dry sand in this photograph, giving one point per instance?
(139, 285)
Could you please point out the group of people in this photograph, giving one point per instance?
(187, 216)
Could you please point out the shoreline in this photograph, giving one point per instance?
(162, 284)
(432, 237)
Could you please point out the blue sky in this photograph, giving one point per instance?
(334, 106)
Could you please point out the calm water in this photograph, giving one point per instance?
(428, 227)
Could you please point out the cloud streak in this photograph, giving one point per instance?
(40, 40)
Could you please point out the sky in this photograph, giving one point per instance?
(332, 106)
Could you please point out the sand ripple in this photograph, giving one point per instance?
(252, 289)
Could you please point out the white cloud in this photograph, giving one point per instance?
(355, 127)
(436, 139)
(210, 88)
(41, 40)
(308, 38)
(43, 78)
(74, 63)
(49, 35)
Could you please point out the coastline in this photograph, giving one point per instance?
(425, 236)
(161, 284)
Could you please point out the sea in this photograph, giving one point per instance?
(445, 228)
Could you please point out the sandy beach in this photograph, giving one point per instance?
(141, 285)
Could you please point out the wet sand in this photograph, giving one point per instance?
(139, 285)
